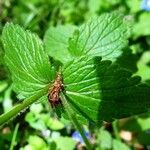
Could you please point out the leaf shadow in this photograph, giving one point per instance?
(121, 93)
(128, 60)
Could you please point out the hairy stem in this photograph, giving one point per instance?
(21, 106)
(74, 120)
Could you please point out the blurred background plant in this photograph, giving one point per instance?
(39, 128)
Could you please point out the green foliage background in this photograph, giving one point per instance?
(40, 129)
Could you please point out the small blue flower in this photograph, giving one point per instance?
(145, 5)
(77, 137)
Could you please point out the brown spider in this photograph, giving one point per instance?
(54, 91)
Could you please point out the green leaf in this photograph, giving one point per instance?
(35, 121)
(93, 6)
(144, 123)
(82, 87)
(55, 124)
(134, 5)
(26, 59)
(56, 42)
(37, 143)
(118, 145)
(98, 90)
(65, 143)
(104, 139)
(3, 86)
(143, 67)
(103, 36)
(141, 28)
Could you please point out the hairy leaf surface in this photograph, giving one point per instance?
(103, 36)
(26, 59)
(82, 87)
(98, 90)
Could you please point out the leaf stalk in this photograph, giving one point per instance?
(21, 106)
(75, 122)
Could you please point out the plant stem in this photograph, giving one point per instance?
(81, 131)
(115, 128)
(14, 137)
(74, 120)
(21, 106)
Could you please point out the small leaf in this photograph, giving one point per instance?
(144, 123)
(118, 145)
(103, 36)
(26, 59)
(37, 143)
(61, 141)
(104, 139)
(54, 124)
(94, 6)
(56, 42)
(141, 28)
(143, 66)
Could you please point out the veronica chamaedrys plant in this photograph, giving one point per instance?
(94, 88)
